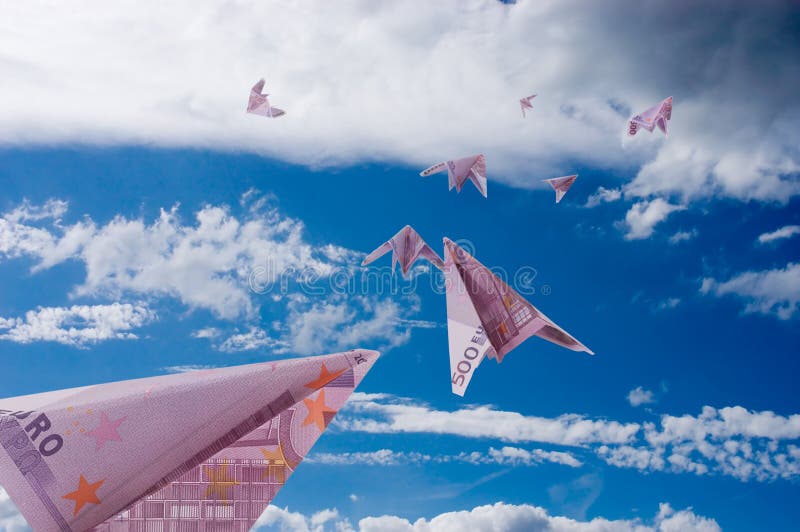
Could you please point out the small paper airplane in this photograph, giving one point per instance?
(406, 247)
(486, 317)
(658, 115)
(205, 450)
(561, 185)
(259, 104)
(459, 170)
(525, 103)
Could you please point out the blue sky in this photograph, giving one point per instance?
(142, 230)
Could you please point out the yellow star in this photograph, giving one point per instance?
(324, 378)
(220, 482)
(85, 494)
(317, 410)
(274, 457)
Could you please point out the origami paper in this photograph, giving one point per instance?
(561, 185)
(658, 115)
(406, 247)
(486, 317)
(204, 450)
(525, 103)
(258, 104)
(459, 170)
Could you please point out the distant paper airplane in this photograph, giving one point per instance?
(486, 317)
(259, 104)
(561, 185)
(406, 247)
(204, 450)
(525, 103)
(658, 115)
(459, 170)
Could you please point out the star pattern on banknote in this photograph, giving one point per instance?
(277, 464)
(220, 482)
(317, 410)
(106, 431)
(85, 494)
(324, 378)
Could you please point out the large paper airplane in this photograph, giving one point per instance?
(561, 185)
(658, 115)
(459, 170)
(258, 104)
(525, 103)
(486, 317)
(406, 247)
(205, 450)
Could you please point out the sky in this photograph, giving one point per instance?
(149, 226)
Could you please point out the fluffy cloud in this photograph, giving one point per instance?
(643, 216)
(639, 396)
(506, 455)
(787, 231)
(603, 195)
(773, 292)
(730, 441)
(389, 415)
(10, 518)
(77, 325)
(220, 262)
(376, 82)
(509, 517)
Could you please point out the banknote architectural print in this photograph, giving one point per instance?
(561, 185)
(658, 115)
(258, 104)
(406, 247)
(199, 451)
(487, 318)
(471, 168)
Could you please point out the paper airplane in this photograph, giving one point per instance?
(205, 450)
(658, 115)
(486, 317)
(259, 104)
(561, 185)
(406, 247)
(525, 103)
(459, 170)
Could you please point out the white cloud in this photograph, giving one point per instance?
(787, 231)
(639, 396)
(10, 518)
(331, 67)
(226, 264)
(353, 497)
(683, 236)
(668, 304)
(77, 325)
(388, 415)
(506, 455)
(772, 292)
(730, 441)
(508, 517)
(186, 368)
(643, 216)
(603, 195)
(205, 265)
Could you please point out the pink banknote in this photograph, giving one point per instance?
(471, 168)
(561, 185)
(204, 450)
(525, 103)
(486, 317)
(406, 247)
(258, 104)
(658, 115)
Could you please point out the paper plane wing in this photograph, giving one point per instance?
(170, 453)
(503, 314)
(561, 185)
